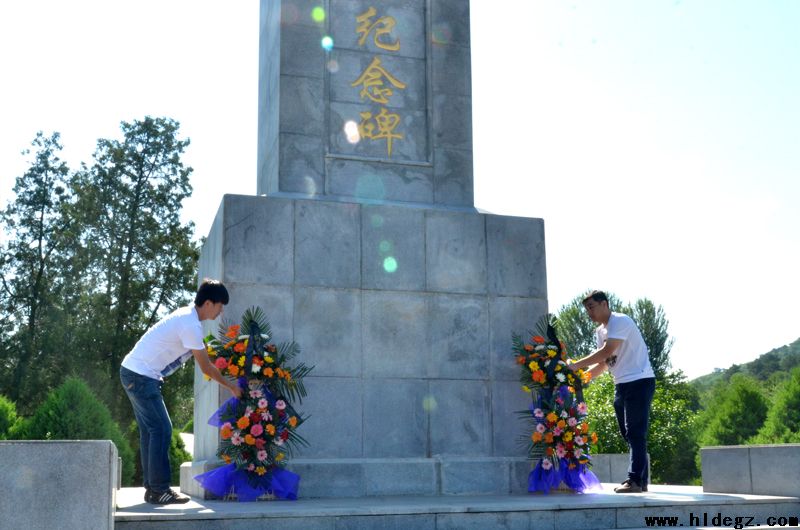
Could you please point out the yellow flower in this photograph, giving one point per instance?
(552, 353)
(241, 360)
(261, 470)
(279, 457)
(533, 365)
(206, 377)
(567, 436)
(268, 359)
(293, 421)
(524, 388)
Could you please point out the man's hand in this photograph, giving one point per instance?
(236, 390)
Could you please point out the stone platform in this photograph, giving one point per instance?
(597, 510)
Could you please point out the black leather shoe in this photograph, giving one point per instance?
(630, 486)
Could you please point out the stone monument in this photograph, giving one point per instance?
(363, 245)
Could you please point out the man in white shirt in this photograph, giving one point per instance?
(622, 350)
(161, 351)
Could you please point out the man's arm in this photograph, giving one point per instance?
(598, 356)
(597, 370)
(202, 360)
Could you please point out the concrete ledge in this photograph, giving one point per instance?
(65, 484)
(752, 469)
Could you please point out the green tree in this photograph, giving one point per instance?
(73, 412)
(141, 259)
(782, 424)
(736, 413)
(30, 264)
(653, 324)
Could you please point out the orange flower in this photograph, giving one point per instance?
(538, 339)
(233, 370)
(287, 375)
(536, 437)
(279, 371)
(226, 433)
(552, 417)
(561, 424)
(528, 347)
(229, 344)
(548, 437)
(233, 331)
(226, 458)
(520, 359)
(249, 439)
(594, 437)
(243, 422)
(240, 347)
(268, 372)
(270, 428)
(293, 421)
(585, 427)
(549, 451)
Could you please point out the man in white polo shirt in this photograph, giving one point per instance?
(161, 351)
(622, 350)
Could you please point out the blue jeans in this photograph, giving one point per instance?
(632, 406)
(155, 427)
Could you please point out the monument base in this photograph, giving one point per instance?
(364, 477)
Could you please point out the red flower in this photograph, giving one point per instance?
(260, 443)
(285, 435)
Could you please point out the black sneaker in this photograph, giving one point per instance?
(165, 497)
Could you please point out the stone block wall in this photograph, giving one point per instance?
(406, 313)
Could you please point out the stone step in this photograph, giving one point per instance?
(600, 509)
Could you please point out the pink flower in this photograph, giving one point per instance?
(221, 363)
(227, 425)
(559, 400)
(564, 414)
(266, 416)
(257, 430)
(237, 439)
(560, 451)
(280, 404)
(572, 422)
(538, 413)
(262, 455)
(546, 464)
(557, 431)
(248, 410)
(582, 408)
(579, 440)
(255, 394)
(541, 428)
(263, 403)
(578, 452)
(251, 467)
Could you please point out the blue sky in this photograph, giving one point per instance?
(659, 140)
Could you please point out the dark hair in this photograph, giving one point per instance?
(597, 296)
(211, 290)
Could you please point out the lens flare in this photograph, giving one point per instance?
(318, 15)
(333, 66)
(390, 264)
(376, 220)
(429, 404)
(385, 246)
(327, 43)
(351, 132)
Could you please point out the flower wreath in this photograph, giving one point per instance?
(560, 441)
(259, 431)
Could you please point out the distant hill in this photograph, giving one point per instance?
(772, 366)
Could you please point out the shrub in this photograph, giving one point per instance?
(8, 417)
(73, 412)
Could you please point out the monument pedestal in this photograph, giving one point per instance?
(407, 315)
